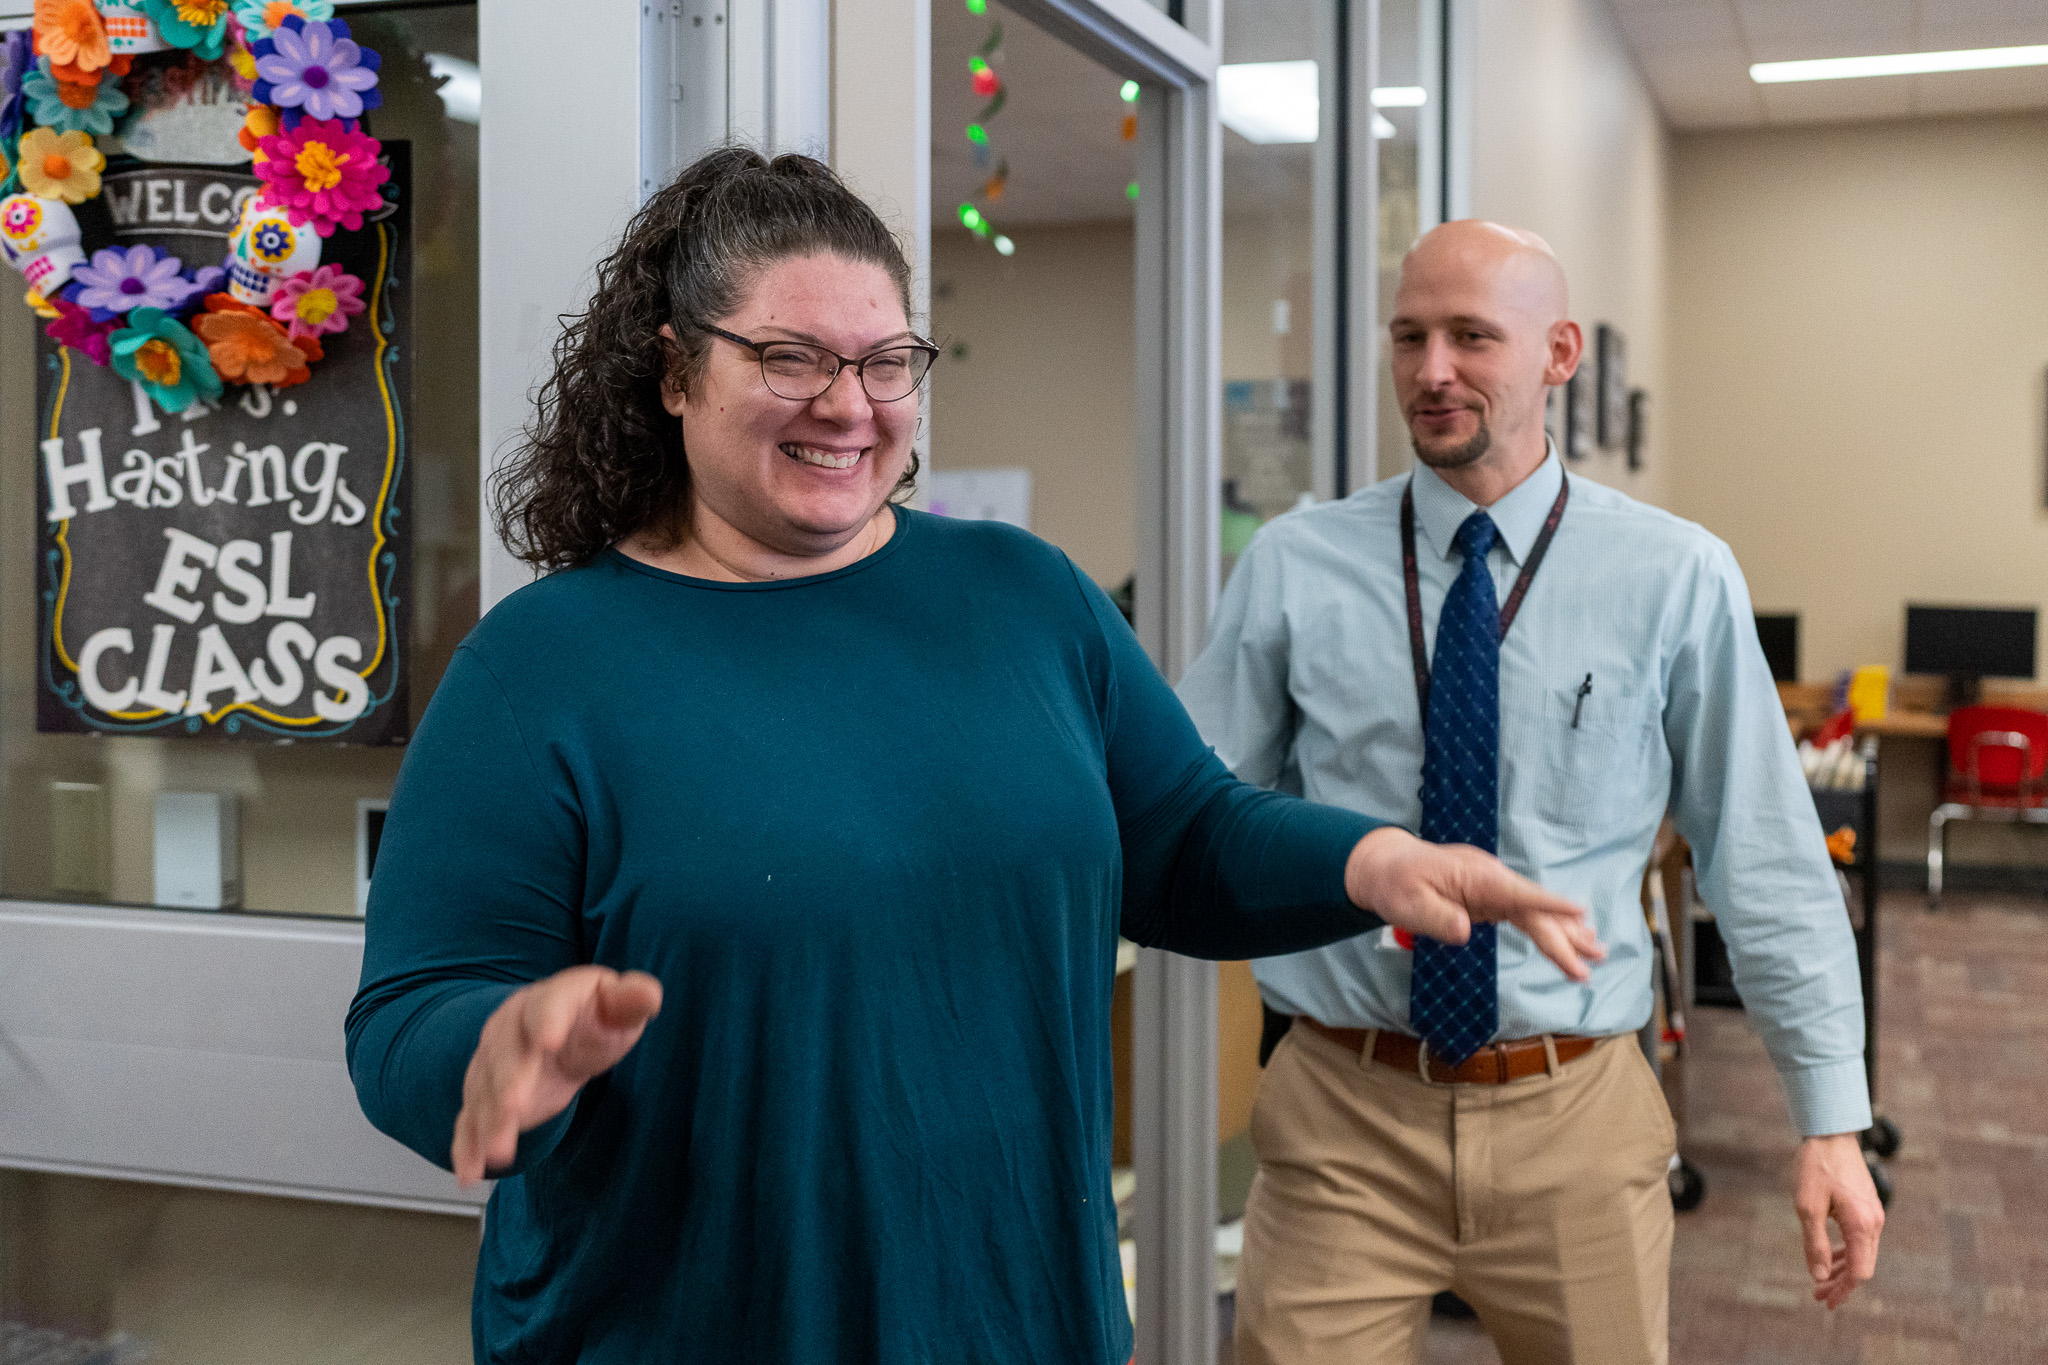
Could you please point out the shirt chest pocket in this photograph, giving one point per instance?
(1582, 758)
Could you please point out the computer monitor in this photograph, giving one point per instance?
(1970, 643)
(1778, 632)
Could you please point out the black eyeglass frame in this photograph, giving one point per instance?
(860, 364)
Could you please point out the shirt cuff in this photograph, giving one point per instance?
(1828, 1099)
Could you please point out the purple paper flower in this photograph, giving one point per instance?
(314, 69)
(17, 56)
(118, 281)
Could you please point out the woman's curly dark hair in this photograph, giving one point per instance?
(602, 458)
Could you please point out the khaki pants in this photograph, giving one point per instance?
(1541, 1202)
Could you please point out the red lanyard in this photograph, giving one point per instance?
(1411, 571)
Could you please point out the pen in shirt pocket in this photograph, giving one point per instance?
(1585, 689)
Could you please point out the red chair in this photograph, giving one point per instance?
(1997, 770)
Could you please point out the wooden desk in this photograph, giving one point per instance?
(1907, 725)
(1916, 706)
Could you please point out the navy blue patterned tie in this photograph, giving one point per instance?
(1454, 1002)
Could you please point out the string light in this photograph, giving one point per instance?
(988, 85)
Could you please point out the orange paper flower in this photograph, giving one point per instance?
(252, 350)
(60, 165)
(69, 33)
(75, 74)
(261, 121)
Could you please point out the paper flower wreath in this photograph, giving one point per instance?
(260, 315)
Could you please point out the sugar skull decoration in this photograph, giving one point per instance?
(130, 30)
(265, 249)
(40, 238)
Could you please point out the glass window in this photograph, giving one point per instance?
(1276, 95)
(1407, 121)
(1274, 99)
(119, 1271)
(79, 813)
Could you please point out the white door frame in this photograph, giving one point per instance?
(1179, 462)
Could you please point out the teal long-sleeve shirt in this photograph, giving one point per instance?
(876, 832)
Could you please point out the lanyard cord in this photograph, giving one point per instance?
(1411, 572)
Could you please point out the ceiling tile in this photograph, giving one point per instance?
(1689, 116)
(1944, 28)
(1981, 92)
(1686, 71)
(1838, 101)
(1886, 23)
(1689, 25)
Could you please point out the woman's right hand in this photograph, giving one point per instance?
(536, 1051)
(1441, 889)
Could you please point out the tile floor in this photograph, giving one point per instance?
(1963, 1278)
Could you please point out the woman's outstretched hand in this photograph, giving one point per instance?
(536, 1051)
(1439, 890)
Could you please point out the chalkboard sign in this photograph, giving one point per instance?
(238, 570)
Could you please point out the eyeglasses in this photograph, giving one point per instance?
(800, 372)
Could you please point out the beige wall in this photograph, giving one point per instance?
(1568, 143)
(1860, 326)
(1047, 381)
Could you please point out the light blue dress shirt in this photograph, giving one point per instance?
(1307, 685)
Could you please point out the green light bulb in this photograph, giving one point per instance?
(977, 7)
(970, 216)
(977, 134)
(1131, 191)
(1130, 92)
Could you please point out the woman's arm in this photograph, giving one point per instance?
(1217, 868)
(476, 895)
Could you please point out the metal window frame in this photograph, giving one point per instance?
(1179, 244)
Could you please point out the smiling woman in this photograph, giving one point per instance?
(605, 461)
(785, 1022)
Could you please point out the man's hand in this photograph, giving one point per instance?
(1834, 1183)
(1439, 890)
(536, 1051)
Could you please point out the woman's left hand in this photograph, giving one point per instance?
(1441, 890)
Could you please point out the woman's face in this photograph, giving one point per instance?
(798, 478)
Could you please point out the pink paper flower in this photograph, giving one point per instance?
(324, 173)
(316, 301)
(75, 328)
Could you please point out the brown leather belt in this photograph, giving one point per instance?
(1494, 1064)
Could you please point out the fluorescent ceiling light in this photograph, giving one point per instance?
(1269, 102)
(1399, 97)
(1898, 64)
(1383, 127)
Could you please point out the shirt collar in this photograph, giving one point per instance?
(1441, 509)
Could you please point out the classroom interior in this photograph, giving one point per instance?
(1818, 326)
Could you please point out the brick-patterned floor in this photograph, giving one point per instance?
(1963, 1277)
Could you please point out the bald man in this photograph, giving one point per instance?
(1493, 652)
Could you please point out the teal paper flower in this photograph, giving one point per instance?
(161, 354)
(260, 18)
(46, 105)
(201, 25)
